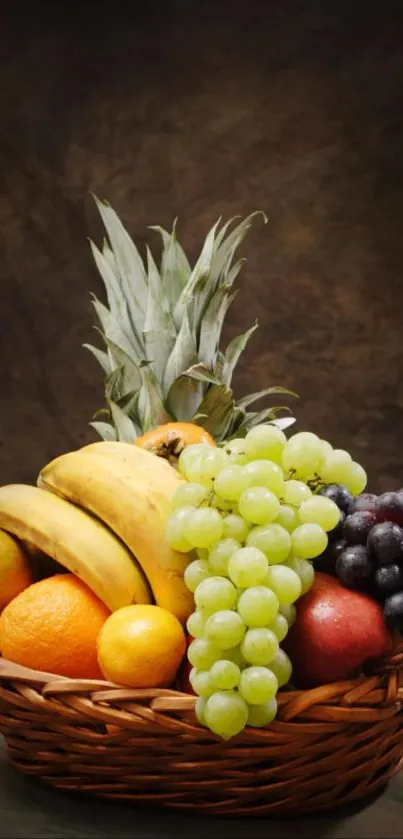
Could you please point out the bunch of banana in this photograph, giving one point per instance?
(130, 491)
(101, 512)
(76, 540)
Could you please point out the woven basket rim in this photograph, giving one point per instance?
(292, 703)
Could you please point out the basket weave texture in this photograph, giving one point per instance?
(328, 746)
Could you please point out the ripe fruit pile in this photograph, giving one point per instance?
(249, 510)
(213, 519)
(367, 553)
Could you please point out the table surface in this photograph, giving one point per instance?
(29, 810)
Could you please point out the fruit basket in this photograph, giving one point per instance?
(179, 643)
(329, 746)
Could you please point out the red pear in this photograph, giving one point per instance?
(336, 632)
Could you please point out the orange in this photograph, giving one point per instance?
(53, 626)
(141, 647)
(172, 437)
(15, 570)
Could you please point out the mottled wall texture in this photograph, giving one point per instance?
(198, 110)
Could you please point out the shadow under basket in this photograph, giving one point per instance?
(328, 746)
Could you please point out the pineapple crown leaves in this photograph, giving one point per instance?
(162, 326)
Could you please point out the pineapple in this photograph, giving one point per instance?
(162, 327)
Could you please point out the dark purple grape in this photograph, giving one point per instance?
(393, 610)
(339, 494)
(389, 578)
(337, 532)
(326, 562)
(385, 543)
(356, 527)
(389, 507)
(366, 502)
(354, 566)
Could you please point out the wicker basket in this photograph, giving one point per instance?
(331, 745)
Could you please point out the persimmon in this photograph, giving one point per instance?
(169, 440)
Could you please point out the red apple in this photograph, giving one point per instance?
(336, 632)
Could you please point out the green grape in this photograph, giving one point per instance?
(289, 612)
(326, 448)
(335, 467)
(235, 451)
(219, 556)
(189, 494)
(202, 553)
(200, 705)
(202, 653)
(259, 505)
(203, 527)
(272, 539)
(288, 517)
(225, 674)
(235, 527)
(201, 682)
(214, 594)
(259, 646)
(309, 541)
(176, 529)
(295, 492)
(195, 573)
(195, 624)
(225, 713)
(224, 629)
(302, 455)
(305, 571)
(218, 503)
(247, 567)
(258, 685)
(189, 455)
(261, 715)
(285, 583)
(234, 654)
(265, 442)
(280, 627)
(257, 606)
(355, 478)
(204, 468)
(319, 510)
(231, 482)
(282, 668)
(264, 473)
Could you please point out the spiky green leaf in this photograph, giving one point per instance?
(214, 412)
(105, 430)
(102, 358)
(199, 285)
(126, 430)
(175, 268)
(130, 375)
(202, 374)
(233, 353)
(229, 245)
(129, 263)
(268, 391)
(212, 323)
(183, 355)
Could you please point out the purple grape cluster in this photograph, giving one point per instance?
(365, 550)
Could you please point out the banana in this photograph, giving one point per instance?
(140, 459)
(77, 541)
(131, 491)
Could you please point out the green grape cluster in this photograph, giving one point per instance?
(249, 514)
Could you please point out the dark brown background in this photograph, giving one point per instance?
(197, 110)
